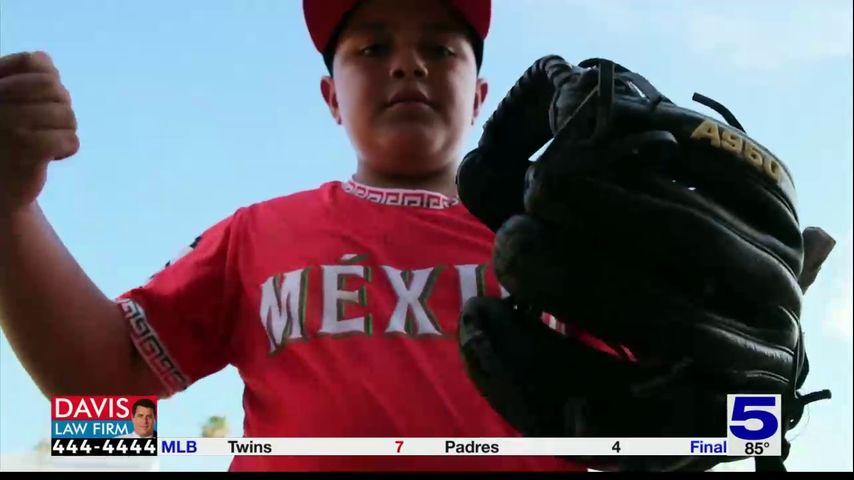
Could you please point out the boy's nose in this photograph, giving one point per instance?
(406, 65)
(415, 72)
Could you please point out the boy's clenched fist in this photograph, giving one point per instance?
(37, 125)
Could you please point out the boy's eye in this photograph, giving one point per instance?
(443, 51)
(373, 50)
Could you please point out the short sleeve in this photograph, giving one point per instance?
(180, 320)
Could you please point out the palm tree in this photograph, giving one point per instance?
(43, 447)
(215, 427)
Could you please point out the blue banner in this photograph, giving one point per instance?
(90, 428)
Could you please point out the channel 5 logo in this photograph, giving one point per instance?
(753, 417)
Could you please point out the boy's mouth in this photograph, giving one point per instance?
(409, 97)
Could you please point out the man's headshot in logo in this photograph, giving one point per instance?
(144, 416)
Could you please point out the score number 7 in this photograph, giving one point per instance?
(399, 445)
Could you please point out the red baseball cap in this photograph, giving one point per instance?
(323, 16)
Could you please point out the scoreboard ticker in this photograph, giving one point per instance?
(118, 426)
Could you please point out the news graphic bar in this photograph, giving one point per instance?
(103, 426)
(451, 446)
(127, 426)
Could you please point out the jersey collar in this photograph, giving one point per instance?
(399, 197)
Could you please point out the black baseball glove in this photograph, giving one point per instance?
(669, 236)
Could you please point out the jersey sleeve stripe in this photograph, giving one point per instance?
(152, 349)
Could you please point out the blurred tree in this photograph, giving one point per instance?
(43, 446)
(215, 427)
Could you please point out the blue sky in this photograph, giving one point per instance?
(189, 110)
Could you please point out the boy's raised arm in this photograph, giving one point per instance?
(69, 336)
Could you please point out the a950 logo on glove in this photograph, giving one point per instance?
(753, 425)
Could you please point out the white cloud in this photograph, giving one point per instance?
(838, 320)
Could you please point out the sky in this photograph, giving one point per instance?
(189, 110)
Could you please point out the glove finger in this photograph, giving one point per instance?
(523, 366)
(492, 194)
(504, 366)
(569, 278)
(669, 235)
(645, 165)
(719, 161)
(817, 247)
(490, 179)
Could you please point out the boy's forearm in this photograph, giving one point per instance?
(67, 334)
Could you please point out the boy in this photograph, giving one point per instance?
(337, 305)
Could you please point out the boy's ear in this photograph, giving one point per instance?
(327, 89)
(481, 90)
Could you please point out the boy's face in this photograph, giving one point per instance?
(405, 85)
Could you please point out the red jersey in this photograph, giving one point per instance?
(339, 308)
